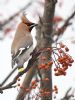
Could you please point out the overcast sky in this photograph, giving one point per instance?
(7, 8)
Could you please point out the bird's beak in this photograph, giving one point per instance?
(33, 25)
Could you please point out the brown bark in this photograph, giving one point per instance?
(44, 40)
(21, 95)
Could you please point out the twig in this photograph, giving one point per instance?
(67, 96)
(13, 16)
(30, 63)
(8, 76)
(65, 25)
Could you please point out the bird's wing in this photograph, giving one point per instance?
(21, 51)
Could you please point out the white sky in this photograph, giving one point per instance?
(5, 58)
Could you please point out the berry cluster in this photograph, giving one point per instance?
(42, 92)
(45, 66)
(47, 92)
(55, 89)
(61, 59)
(34, 84)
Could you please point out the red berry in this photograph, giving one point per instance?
(66, 49)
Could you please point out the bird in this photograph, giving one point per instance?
(22, 44)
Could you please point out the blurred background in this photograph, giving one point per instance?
(10, 16)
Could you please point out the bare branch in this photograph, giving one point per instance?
(67, 96)
(65, 25)
(13, 16)
(27, 80)
(34, 54)
(8, 76)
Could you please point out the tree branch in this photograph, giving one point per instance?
(13, 16)
(43, 37)
(27, 80)
(31, 63)
(65, 25)
(8, 76)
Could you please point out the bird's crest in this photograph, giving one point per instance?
(25, 20)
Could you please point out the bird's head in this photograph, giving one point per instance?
(28, 23)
